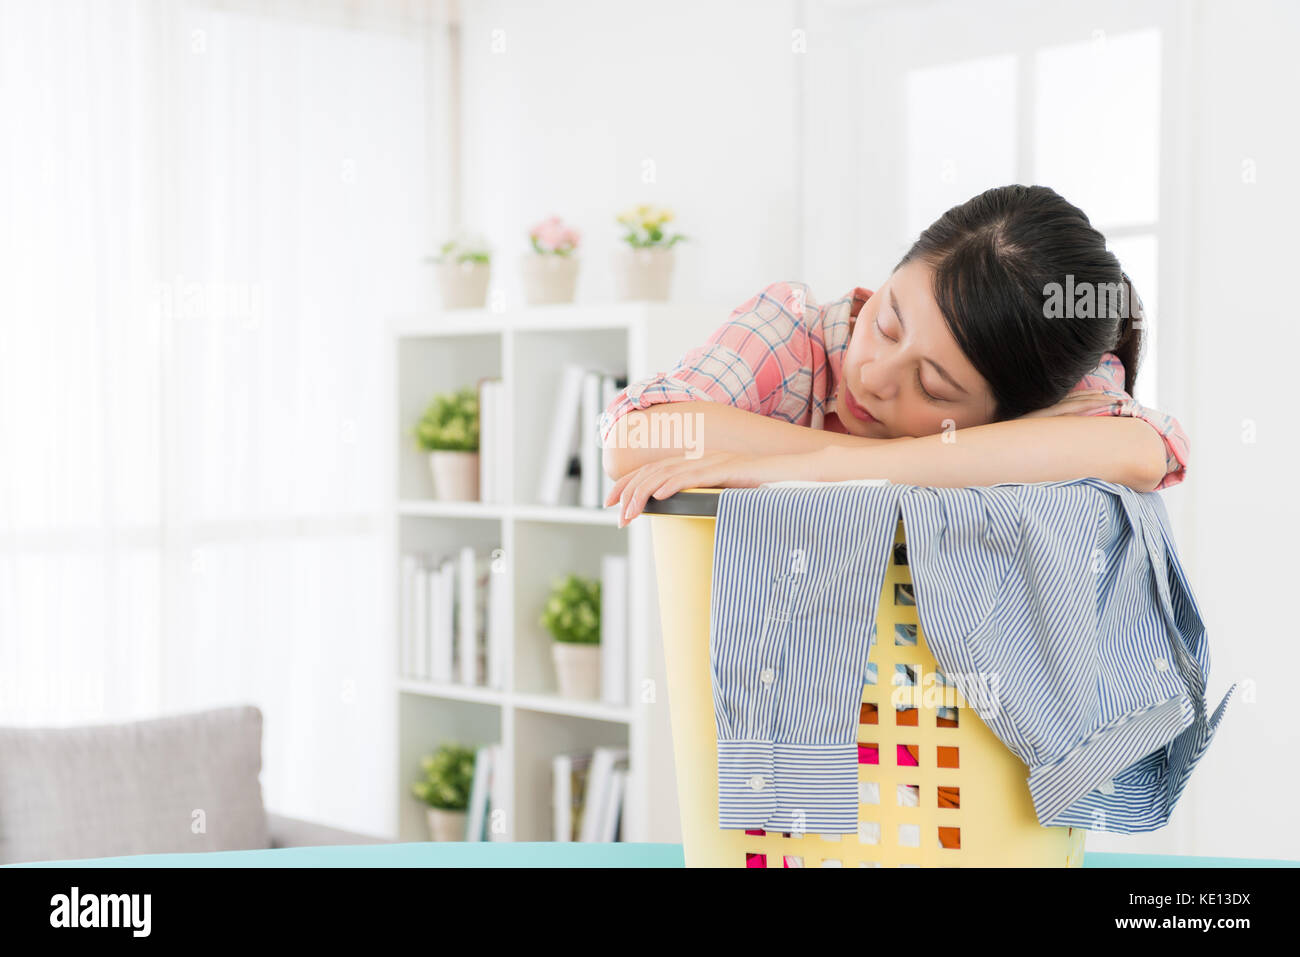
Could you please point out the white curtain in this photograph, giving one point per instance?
(208, 211)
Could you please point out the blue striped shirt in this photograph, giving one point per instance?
(1059, 610)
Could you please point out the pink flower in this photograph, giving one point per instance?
(551, 235)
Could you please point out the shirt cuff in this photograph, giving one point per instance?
(788, 788)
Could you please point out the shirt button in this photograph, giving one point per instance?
(1107, 787)
(1161, 664)
(767, 677)
(756, 783)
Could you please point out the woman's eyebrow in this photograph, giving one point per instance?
(893, 301)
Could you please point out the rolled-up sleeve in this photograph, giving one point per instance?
(756, 361)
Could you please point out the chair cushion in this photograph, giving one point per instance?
(180, 783)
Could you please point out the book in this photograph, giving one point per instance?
(497, 787)
(423, 591)
(477, 812)
(613, 629)
(609, 389)
(599, 790)
(466, 616)
(613, 806)
(562, 444)
(498, 625)
(590, 469)
(568, 789)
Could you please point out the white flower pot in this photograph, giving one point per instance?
(549, 278)
(455, 476)
(578, 669)
(644, 273)
(463, 285)
(446, 825)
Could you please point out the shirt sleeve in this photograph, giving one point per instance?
(1105, 386)
(756, 361)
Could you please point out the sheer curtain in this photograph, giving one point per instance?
(208, 212)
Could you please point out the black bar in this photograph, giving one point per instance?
(703, 504)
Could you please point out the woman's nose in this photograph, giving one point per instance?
(876, 378)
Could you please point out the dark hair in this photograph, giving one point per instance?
(994, 258)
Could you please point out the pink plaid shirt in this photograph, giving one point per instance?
(779, 354)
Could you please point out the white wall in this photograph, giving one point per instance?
(582, 95)
(1242, 344)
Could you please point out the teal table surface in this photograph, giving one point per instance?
(428, 854)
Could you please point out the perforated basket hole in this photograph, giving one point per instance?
(945, 717)
(832, 862)
(909, 795)
(900, 553)
(948, 797)
(755, 860)
(868, 792)
(868, 713)
(868, 753)
(907, 755)
(870, 678)
(950, 838)
(868, 832)
(909, 835)
(947, 757)
(903, 594)
(792, 860)
(905, 634)
(906, 717)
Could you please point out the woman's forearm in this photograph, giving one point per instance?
(676, 429)
(1123, 450)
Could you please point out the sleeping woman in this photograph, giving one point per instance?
(1004, 347)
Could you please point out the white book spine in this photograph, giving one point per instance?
(563, 439)
(497, 805)
(609, 390)
(421, 611)
(561, 798)
(589, 441)
(437, 642)
(447, 614)
(466, 622)
(613, 629)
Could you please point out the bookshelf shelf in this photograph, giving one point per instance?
(526, 348)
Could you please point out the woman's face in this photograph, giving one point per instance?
(905, 369)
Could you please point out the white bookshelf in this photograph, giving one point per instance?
(526, 348)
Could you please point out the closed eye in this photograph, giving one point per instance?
(919, 384)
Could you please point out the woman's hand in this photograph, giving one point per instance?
(712, 470)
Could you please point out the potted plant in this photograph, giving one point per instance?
(445, 787)
(448, 431)
(643, 268)
(463, 266)
(572, 616)
(551, 269)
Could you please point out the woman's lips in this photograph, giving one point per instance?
(856, 409)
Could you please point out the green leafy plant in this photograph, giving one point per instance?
(450, 423)
(645, 227)
(572, 612)
(448, 777)
(463, 248)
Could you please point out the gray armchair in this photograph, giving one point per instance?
(177, 784)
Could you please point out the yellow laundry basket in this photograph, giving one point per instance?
(936, 786)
